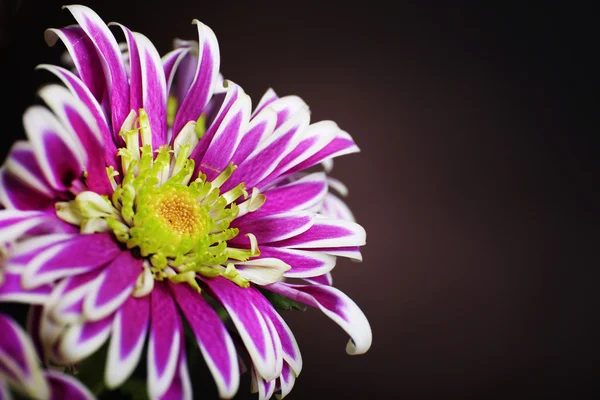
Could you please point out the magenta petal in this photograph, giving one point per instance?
(202, 87)
(181, 387)
(304, 194)
(226, 139)
(337, 306)
(273, 228)
(127, 340)
(84, 56)
(83, 94)
(258, 130)
(66, 387)
(18, 361)
(84, 129)
(109, 52)
(165, 341)
(325, 279)
(212, 336)
(171, 62)
(214, 120)
(18, 194)
(58, 154)
(12, 291)
(303, 263)
(269, 97)
(328, 233)
(81, 340)
(135, 70)
(74, 256)
(269, 153)
(251, 325)
(14, 223)
(113, 286)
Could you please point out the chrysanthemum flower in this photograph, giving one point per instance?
(149, 188)
(20, 369)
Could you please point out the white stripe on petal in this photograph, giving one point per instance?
(263, 271)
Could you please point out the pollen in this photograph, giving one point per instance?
(180, 214)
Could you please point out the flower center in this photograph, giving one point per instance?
(180, 227)
(180, 214)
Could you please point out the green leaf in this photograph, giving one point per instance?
(281, 302)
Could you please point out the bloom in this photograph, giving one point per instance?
(149, 187)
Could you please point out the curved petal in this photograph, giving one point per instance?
(327, 232)
(164, 343)
(181, 387)
(202, 87)
(81, 340)
(127, 340)
(84, 56)
(18, 194)
(337, 306)
(18, 361)
(113, 287)
(226, 138)
(81, 92)
(251, 325)
(12, 291)
(213, 339)
(112, 62)
(70, 257)
(334, 207)
(273, 228)
(22, 163)
(58, 154)
(303, 263)
(66, 387)
(83, 126)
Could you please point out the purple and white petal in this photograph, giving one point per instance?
(259, 128)
(253, 330)
(337, 306)
(303, 263)
(352, 252)
(18, 194)
(171, 62)
(334, 207)
(63, 386)
(154, 89)
(12, 291)
(127, 340)
(269, 97)
(14, 223)
(81, 340)
(112, 62)
(226, 138)
(206, 73)
(287, 107)
(213, 339)
(263, 271)
(57, 152)
(70, 257)
(181, 386)
(265, 388)
(265, 158)
(165, 341)
(84, 56)
(286, 380)
(22, 164)
(325, 279)
(113, 286)
(341, 145)
(18, 360)
(306, 193)
(65, 304)
(328, 233)
(81, 124)
(273, 228)
(314, 139)
(215, 113)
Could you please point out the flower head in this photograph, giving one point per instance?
(148, 187)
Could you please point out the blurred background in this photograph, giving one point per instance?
(475, 181)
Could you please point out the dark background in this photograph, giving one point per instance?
(475, 182)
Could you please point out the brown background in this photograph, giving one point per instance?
(474, 182)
